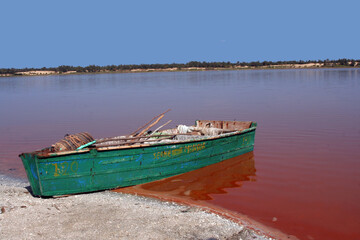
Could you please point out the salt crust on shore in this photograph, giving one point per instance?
(106, 215)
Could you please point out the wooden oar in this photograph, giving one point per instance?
(160, 127)
(129, 138)
(159, 137)
(149, 122)
(148, 127)
(126, 143)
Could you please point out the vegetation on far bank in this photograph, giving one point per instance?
(193, 65)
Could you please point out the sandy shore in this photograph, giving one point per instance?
(106, 215)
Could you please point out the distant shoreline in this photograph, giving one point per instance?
(191, 66)
(40, 73)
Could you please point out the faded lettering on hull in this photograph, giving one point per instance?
(179, 151)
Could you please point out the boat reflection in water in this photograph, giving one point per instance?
(200, 184)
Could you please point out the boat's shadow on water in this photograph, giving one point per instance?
(202, 183)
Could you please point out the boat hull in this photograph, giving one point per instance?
(98, 170)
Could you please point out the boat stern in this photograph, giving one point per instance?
(30, 165)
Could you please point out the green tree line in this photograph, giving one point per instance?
(179, 66)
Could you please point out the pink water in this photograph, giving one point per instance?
(306, 179)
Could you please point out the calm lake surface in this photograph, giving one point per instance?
(303, 177)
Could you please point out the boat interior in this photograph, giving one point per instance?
(203, 129)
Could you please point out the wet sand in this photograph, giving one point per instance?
(107, 215)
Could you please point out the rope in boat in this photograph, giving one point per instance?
(72, 142)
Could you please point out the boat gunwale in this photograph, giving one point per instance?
(41, 155)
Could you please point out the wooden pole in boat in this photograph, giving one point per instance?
(134, 138)
(126, 143)
(149, 122)
(160, 127)
(147, 128)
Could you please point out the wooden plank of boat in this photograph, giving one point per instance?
(98, 168)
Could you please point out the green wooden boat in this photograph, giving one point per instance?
(107, 166)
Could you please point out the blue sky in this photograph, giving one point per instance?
(80, 33)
